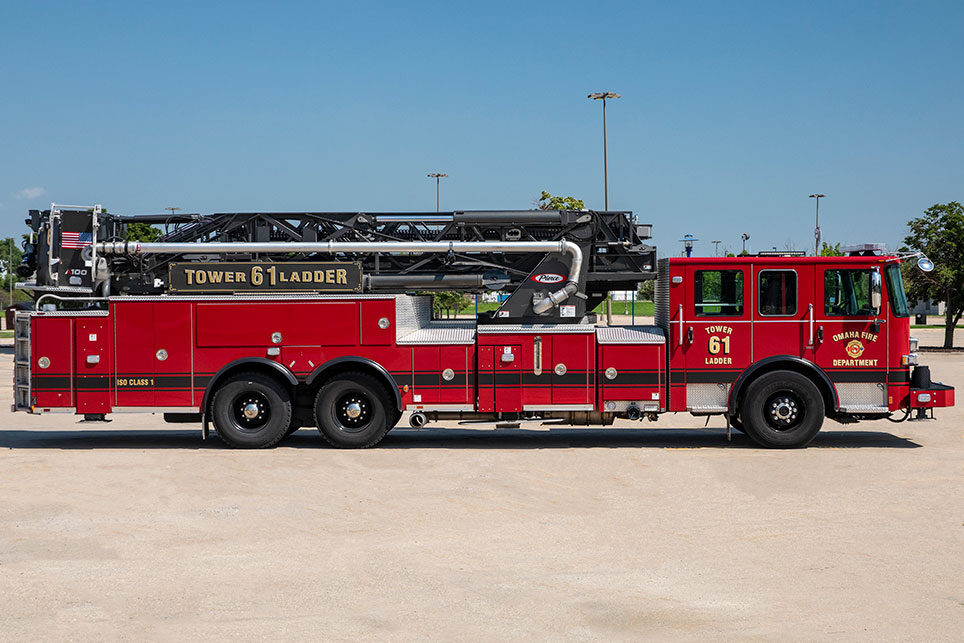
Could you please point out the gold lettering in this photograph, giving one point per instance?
(239, 277)
(200, 277)
(293, 277)
(319, 276)
(341, 276)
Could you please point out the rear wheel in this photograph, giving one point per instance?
(251, 411)
(353, 411)
(783, 409)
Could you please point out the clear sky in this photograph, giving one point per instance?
(731, 113)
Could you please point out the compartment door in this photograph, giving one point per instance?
(134, 347)
(92, 362)
(508, 378)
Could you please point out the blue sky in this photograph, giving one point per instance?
(732, 113)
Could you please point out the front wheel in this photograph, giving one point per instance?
(353, 411)
(783, 409)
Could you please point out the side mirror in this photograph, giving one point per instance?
(925, 264)
(875, 290)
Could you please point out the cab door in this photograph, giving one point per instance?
(782, 311)
(851, 335)
(717, 337)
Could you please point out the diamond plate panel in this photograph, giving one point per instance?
(861, 394)
(707, 397)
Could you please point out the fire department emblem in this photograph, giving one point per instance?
(854, 348)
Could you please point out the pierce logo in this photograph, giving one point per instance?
(854, 348)
(547, 278)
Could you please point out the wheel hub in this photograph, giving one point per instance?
(251, 410)
(784, 411)
(354, 410)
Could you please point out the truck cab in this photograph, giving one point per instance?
(777, 343)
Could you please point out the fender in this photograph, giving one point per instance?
(804, 365)
(364, 361)
(260, 361)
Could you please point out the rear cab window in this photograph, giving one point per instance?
(777, 293)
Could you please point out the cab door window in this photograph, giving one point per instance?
(718, 293)
(778, 293)
(846, 293)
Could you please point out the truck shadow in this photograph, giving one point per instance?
(403, 438)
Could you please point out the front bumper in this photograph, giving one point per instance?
(934, 396)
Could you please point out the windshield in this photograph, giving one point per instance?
(895, 289)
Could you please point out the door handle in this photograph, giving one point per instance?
(689, 335)
(819, 334)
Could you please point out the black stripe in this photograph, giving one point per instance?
(50, 382)
(857, 376)
(426, 379)
(900, 377)
(485, 379)
(706, 377)
(507, 379)
(624, 378)
(88, 382)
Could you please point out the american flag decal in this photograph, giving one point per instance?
(75, 240)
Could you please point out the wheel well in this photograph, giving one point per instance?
(253, 365)
(337, 367)
(807, 369)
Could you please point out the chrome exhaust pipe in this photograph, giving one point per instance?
(418, 420)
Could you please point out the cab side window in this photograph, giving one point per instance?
(846, 293)
(718, 293)
(778, 292)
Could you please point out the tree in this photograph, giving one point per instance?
(827, 250)
(549, 202)
(939, 234)
(448, 302)
(10, 256)
(647, 290)
(142, 232)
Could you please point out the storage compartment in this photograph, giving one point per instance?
(330, 323)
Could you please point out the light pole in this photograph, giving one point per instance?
(688, 240)
(816, 231)
(716, 248)
(603, 96)
(745, 238)
(437, 176)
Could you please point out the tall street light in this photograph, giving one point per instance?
(716, 248)
(603, 96)
(437, 176)
(816, 231)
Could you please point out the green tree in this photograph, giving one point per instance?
(827, 250)
(549, 202)
(10, 256)
(647, 290)
(939, 234)
(449, 302)
(141, 232)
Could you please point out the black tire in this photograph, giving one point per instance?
(782, 409)
(251, 392)
(333, 411)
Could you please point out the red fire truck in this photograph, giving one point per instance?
(262, 323)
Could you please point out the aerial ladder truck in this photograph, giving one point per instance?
(262, 323)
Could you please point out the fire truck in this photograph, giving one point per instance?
(262, 323)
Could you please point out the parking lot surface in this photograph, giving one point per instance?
(136, 528)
